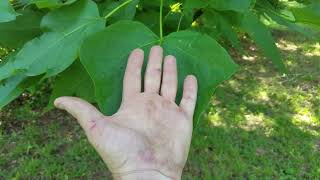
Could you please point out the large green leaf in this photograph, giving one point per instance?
(232, 5)
(74, 81)
(14, 34)
(104, 55)
(55, 51)
(263, 38)
(7, 12)
(52, 3)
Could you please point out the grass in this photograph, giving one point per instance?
(260, 124)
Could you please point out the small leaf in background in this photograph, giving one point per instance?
(217, 26)
(14, 86)
(232, 5)
(150, 18)
(105, 54)
(229, 33)
(7, 12)
(52, 3)
(125, 13)
(175, 21)
(154, 4)
(309, 14)
(8, 86)
(74, 81)
(15, 33)
(54, 51)
(190, 5)
(209, 25)
(284, 18)
(308, 32)
(263, 38)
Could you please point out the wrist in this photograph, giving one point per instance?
(145, 175)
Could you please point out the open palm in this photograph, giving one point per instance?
(150, 134)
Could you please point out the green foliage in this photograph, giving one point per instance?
(48, 34)
(7, 12)
(65, 85)
(104, 55)
(14, 34)
(308, 14)
(51, 3)
(231, 5)
(263, 38)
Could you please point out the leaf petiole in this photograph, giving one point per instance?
(161, 22)
(117, 8)
(180, 19)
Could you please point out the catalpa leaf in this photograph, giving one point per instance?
(105, 54)
(74, 81)
(15, 33)
(56, 50)
(7, 12)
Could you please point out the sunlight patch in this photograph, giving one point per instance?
(286, 45)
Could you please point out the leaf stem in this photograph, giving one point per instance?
(161, 22)
(180, 19)
(117, 8)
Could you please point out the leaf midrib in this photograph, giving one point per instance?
(56, 42)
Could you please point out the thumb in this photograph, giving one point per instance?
(85, 113)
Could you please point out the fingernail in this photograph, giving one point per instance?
(58, 104)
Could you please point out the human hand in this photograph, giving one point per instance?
(149, 137)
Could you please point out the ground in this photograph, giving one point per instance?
(260, 124)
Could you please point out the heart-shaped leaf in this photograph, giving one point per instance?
(105, 54)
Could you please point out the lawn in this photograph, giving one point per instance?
(261, 124)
